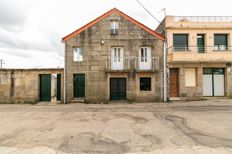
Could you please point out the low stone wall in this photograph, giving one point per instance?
(23, 85)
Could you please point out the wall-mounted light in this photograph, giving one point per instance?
(102, 42)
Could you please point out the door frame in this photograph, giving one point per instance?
(40, 75)
(178, 81)
(117, 65)
(84, 85)
(202, 48)
(145, 65)
(58, 87)
(213, 86)
(110, 87)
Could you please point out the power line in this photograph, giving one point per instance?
(148, 11)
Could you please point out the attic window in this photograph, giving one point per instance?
(114, 27)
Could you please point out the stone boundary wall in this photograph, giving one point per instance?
(23, 85)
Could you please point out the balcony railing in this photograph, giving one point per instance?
(203, 18)
(147, 63)
(118, 63)
(127, 63)
(201, 49)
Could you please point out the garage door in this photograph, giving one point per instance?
(213, 82)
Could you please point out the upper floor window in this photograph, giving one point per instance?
(114, 27)
(77, 54)
(180, 42)
(220, 42)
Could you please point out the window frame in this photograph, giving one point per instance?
(147, 84)
(221, 47)
(181, 48)
(114, 26)
(78, 57)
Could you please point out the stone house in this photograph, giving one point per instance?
(199, 56)
(114, 57)
(31, 85)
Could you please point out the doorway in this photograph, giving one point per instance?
(213, 82)
(45, 87)
(118, 89)
(79, 85)
(174, 82)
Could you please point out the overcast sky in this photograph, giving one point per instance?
(31, 30)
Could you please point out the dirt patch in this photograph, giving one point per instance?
(89, 143)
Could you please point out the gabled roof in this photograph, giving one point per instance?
(114, 10)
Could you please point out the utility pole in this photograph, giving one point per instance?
(1, 63)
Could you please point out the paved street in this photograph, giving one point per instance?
(179, 128)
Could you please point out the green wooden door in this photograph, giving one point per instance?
(79, 85)
(118, 89)
(58, 90)
(201, 43)
(45, 87)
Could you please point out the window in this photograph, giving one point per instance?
(144, 54)
(114, 27)
(180, 42)
(117, 54)
(77, 54)
(220, 42)
(190, 77)
(145, 84)
(201, 43)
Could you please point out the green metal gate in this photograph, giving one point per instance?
(58, 87)
(45, 87)
(79, 85)
(118, 89)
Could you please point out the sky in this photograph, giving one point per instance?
(31, 30)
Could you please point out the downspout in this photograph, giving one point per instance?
(165, 71)
(64, 94)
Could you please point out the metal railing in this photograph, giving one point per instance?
(201, 49)
(203, 18)
(118, 63)
(148, 63)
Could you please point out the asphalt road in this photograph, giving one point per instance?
(190, 127)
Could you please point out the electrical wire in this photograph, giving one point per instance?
(148, 11)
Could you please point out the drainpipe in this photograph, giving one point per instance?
(165, 71)
(64, 45)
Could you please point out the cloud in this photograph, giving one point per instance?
(49, 42)
(13, 15)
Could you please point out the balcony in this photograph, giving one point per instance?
(146, 64)
(200, 54)
(124, 64)
(118, 64)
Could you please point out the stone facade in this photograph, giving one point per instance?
(191, 58)
(23, 85)
(97, 42)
